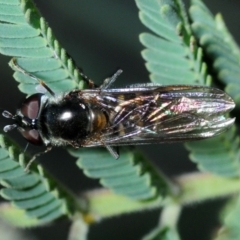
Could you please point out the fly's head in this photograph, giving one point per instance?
(26, 118)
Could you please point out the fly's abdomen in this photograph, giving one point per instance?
(98, 120)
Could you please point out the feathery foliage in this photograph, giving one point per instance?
(31, 192)
(172, 56)
(133, 176)
(219, 45)
(219, 155)
(32, 43)
(25, 35)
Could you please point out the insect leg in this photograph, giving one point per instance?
(49, 148)
(112, 151)
(88, 81)
(16, 67)
(108, 81)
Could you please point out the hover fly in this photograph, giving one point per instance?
(137, 114)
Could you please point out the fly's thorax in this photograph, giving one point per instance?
(70, 121)
(65, 121)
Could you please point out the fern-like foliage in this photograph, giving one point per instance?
(132, 176)
(25, 35)
(30, 192)
(173, 57)
(219, 155)
(214, 36)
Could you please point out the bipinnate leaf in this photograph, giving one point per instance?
(219, 46)
(173, 58)
(132, 175)
(171, 55)
(25, 35)
(30, 192)
(219, 155)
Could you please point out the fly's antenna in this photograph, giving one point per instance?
(109, 81)
(16, 67)
(8, 128)
(49, 148)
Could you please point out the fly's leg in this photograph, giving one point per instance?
(111, 150)
(90, 83)
(49, 148)
(18, 68)
(106, 83)
(109, 81)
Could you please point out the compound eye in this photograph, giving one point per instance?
(31, 135)
(31, 105)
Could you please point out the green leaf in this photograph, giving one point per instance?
(171, 55)
(219, 155)
(16, 217)
(219, 45)
(176, 60)
(31, 192)
(8, 231)
(195, 187)
(104, 203)
(132, 175)
(25, 36)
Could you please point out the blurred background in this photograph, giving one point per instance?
(102, 36)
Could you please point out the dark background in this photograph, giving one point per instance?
(102, 36)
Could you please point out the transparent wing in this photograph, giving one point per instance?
(143, 114)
